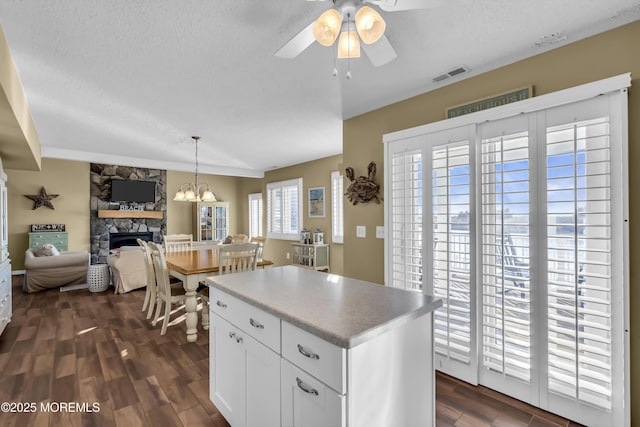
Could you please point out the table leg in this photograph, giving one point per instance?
(191, 307)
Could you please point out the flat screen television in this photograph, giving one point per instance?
(123, 190)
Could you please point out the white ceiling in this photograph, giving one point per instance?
(128, 82)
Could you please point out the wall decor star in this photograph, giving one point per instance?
(42, 199)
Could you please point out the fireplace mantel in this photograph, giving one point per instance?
(112, 213)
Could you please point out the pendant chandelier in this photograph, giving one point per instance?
(190, 192)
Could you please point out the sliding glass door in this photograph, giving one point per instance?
(518, 225)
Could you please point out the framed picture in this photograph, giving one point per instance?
(316, 202)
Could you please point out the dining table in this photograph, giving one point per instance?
(192, 267)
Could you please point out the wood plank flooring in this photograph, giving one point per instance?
(91, 348)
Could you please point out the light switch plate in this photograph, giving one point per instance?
(361, 231)
(380, 232)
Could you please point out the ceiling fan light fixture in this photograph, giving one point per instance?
(327, 27)
(348, 45)
(369, 24)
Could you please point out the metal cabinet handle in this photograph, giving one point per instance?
(305, 389)
(305, 353)
(232, 334)
(221, 304)
(239, 340)
(256, 324)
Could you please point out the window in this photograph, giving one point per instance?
(255, 214)
(284, 209)
(525, 241)
(337, 208)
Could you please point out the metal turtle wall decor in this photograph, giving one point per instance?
(362, 188)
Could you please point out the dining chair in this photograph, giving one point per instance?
(235, 258)
(260, 240)
(165, 294)
(150, 293)
(178, 242)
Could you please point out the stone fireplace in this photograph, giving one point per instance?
(105, 230)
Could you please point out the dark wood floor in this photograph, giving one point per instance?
(82, 347)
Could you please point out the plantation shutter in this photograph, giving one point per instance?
(583, 330)
(451, 256)
(284, 210)
(255, 214)
(506, 225)
(406, 220)
(337, 207)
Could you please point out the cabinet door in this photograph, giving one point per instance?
(306, 402)
(262, 381)
(224, 369)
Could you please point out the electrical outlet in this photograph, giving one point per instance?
(288, 255)
(361, 231)
(380, 232)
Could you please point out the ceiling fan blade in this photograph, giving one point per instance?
(297, 44)
(396, 5)
(380, 52)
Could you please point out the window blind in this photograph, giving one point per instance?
(337, 207)
(255, 214)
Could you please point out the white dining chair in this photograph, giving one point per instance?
(178, 242)
(165, 293)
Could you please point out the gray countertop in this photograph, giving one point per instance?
(343, 311)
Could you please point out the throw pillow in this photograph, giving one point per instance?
(227, 240)
(46, 250)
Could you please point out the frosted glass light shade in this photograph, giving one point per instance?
(189, 195)
(327, 27)
(369, 24)
(179, 196)
(348, 45)
(208, 196)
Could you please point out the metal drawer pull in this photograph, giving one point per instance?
(232, 334)
(309, 355)
(239, 340)
(256, 324)
(221, 304)
(306, 390)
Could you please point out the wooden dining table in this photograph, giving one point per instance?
(193, 267)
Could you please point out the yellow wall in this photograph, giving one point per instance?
(605, 55)
(179, 214)
(314, 174)
(67, 178)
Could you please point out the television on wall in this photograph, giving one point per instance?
(123, 190)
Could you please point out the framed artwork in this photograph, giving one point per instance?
(316, 202)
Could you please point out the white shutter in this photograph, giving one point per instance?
(255, 214)
(284, 209)
(337, 207)
(451, 256)
(579, 290)
(406, 220)
(505, 251)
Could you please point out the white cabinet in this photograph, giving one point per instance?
(210, 221)
(268, 368)
(245, 374)
(313, 257)
(307, 402)
(4, 220)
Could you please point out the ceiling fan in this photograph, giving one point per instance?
(354, 21)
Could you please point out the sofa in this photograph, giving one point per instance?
(52, 271)
(128, 269)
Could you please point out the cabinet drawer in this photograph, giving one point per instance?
(259, 324)
(323, 360)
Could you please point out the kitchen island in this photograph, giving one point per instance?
(294, 347)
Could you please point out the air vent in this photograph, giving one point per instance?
(455, 72)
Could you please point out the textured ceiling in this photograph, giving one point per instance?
(128, 82)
